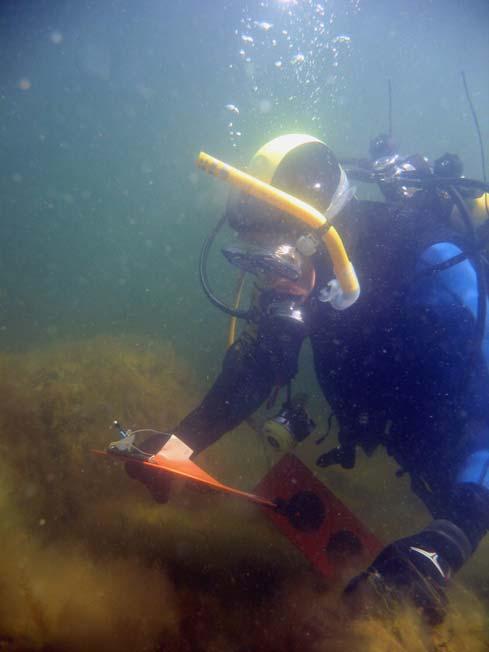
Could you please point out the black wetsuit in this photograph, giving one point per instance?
(399, 368)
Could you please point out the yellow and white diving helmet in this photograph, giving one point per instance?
(283, 212)
(301, 166)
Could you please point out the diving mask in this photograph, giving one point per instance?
(280, 260)
(280, 267)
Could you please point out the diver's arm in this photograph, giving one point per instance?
(252, 367)
(245, 381)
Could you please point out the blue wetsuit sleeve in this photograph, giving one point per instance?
(444, 305)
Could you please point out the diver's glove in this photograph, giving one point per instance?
(415, 569)
(157, 483)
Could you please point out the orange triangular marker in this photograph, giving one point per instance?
(187, 469)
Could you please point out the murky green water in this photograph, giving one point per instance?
(104, 107)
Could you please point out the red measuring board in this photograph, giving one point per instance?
(327, 533)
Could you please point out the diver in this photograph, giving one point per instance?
(403, 363)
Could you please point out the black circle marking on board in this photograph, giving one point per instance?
(344, 544)
(305, 511)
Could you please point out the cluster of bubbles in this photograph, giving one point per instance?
(288, 56)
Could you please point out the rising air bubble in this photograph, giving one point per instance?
(263, 25)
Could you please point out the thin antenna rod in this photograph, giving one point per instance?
(477, 127)
(389, 92)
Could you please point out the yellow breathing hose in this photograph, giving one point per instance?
(302, 211)
(233, 322)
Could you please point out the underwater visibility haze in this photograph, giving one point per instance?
(104, 108)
